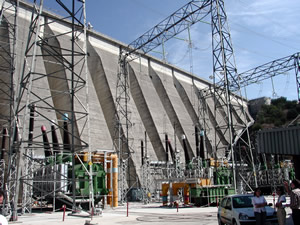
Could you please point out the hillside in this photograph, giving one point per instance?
(280, 113)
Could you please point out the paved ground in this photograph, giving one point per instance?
(138, 214)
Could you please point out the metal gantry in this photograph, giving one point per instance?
(181, 20)
(8, 24)
(174, 24)
(228, 101)
(56, 96)
(269, 70)
(8, 83)
(8, 30)
(123, 126)
(234, 125)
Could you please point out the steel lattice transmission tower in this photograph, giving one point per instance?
(8, 81)
(229, 111)
(63, 98)
(179, 21)
(227, 100)
(122, 139)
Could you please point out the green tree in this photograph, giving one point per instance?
(291, 104)
(277, 114)
(256, 127)
(298, 108)
(279, 102)
(291, 114)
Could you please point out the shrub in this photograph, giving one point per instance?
(291, 114)
(256, 127)
(291, 104)
(279, 102)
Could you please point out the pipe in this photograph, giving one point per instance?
(108, 182)
(186, 155)
(55, 144)
(66, 138)
(31, 124)
(197, 141)
(15, 138)
(48, 151)
(146, 153)
(171, 151)
(142, 152)
(115, 179)
(167, 149)
(202, 153)
(112, 173)
(3, 144)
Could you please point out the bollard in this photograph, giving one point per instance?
(274, 194)
(177, 206)
(64, 213)
(127, 207)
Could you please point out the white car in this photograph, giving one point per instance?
(238, 210)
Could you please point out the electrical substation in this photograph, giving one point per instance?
(90, 122)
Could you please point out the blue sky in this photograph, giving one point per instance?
(261, 31)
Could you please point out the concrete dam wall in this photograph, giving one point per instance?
(164, 100)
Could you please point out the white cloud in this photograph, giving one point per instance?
(274, 17)
(261, 31)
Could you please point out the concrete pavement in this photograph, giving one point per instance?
(138, 213)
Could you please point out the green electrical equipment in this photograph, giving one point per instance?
(223, 176)
(82, 179)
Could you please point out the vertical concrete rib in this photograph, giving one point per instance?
(206, 98)
(242, 114)
(57, 78)
(165, 99)
(191, 110)
(105, 97)
(239, 119)
(219, 117)
(102, 89)
(144, 111)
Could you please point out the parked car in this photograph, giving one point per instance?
(238, 210)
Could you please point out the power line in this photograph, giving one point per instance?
(264, 36)
(268, 18)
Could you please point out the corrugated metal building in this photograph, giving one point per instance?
(281, 141)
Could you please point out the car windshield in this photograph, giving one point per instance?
(242, 202)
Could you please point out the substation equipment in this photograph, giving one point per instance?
(72, 173)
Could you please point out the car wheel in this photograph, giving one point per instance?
(220, 222)
(234, 222)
